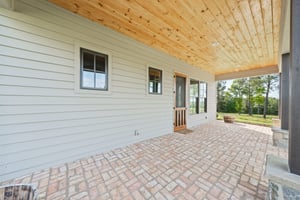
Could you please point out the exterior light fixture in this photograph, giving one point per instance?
(214, 44)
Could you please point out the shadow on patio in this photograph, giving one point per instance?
(215, 161)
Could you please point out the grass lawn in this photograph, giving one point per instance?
(254, 119)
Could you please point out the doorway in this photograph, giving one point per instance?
(180, 102)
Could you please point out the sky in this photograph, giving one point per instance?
(274, 93)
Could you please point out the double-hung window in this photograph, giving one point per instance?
(154, 81)
(203, 97)
(94, 70)
(198, 97)
(194, 96)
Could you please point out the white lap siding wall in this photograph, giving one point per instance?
(46, 120)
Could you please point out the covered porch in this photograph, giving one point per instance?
(230, 39)
(215, 161)
(226, 40)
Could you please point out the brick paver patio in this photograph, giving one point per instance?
(215, 161)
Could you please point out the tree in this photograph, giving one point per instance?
(253, 90)
(248, 95)
(237, 89)
(221, 86)
(272, 106)
(230, 103)
(258, 96)
(258, 103)
(270, 82)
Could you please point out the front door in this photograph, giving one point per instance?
(180, 102)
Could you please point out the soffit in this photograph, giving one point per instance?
(218, 36)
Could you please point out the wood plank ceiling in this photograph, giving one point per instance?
(218, 36)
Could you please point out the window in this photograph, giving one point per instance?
(155, 81)
(198, 97)
(194, 97)
(203, 97)
(94, 70)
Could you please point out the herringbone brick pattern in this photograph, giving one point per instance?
(215, 161)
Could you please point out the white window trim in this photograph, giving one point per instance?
(206, 96)
(77, 68)
(200, 80)
(189, 97)
(147, 81)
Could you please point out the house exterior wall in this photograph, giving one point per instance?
(46, 120)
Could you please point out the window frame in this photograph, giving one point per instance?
(77, 68)
(197, 108)
(149, 67)
(201, 96)
(94, 53)
(204, 97)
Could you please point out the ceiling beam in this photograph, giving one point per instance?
(248, 73)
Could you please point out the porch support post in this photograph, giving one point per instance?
(284, 91)
(279, 100)
(294, 109)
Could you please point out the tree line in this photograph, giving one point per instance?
(248, 95)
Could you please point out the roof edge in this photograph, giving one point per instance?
(247, 73)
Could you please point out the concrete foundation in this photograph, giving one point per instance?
(280, 138)
(282, 183)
